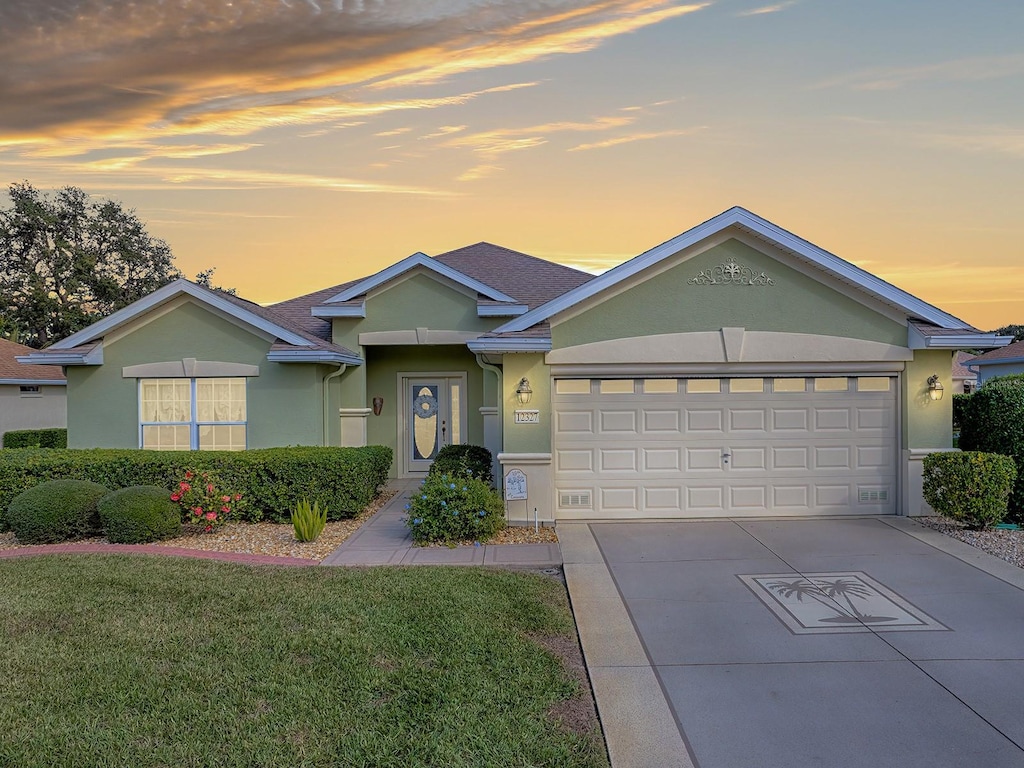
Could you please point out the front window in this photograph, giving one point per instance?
(190, 414)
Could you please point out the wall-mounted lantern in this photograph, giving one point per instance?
(934, 387)
(378, 405)
(524, 393)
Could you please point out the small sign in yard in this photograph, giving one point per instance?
(515, 485)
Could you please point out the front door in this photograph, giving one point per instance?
(434, 411)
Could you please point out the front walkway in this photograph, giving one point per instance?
(384, 539)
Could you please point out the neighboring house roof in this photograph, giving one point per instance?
(293, 342)
(809, 253)
(960, 371)
(13, 372)
(1013, 353)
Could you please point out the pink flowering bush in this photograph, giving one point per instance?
(203, 503)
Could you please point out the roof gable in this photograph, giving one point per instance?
(362, 287)
(744, 221)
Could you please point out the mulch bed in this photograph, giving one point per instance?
(1004, 544)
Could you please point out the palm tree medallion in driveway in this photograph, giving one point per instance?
(816, 603)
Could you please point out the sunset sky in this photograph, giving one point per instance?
(296, 144)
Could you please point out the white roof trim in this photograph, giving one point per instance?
(971, 364)
(510, 345)
(311, 356)
(418, 259)
(501, 310)
(966, 340)
(349, 310)
(743, 218)
(169, 291)
(35, 382)
(93, 356)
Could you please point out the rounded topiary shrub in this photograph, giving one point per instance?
(460, 460)
(139, 514)
(992, 420)
(969, 486)
(58, 510)
(450, 508)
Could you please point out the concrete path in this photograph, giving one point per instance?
(385, 540)
(849, 643)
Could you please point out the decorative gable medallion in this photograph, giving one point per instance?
(730, 273)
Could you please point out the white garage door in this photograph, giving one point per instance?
(724, 447)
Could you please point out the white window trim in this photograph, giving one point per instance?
(194, 424)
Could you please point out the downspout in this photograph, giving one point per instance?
(342, 367)
(501, 398)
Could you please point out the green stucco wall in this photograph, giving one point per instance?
(284, 402)
(928, 423)
(527, 438)
(382, 379)
(417, 302)
(668, 303)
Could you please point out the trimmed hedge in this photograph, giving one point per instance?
(992, 421)
(36, 438)
(58, 510)
(139, 514)
(474, 460)
(272, 481)
(969, 486)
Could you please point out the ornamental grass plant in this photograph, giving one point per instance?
(308, 520)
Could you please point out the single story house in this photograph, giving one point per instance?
(998, 362)
(31, 396)
(734, 370)
(965, 380)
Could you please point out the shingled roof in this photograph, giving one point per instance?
(1013, 351)
(13, 371)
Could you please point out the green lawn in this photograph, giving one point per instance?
(134, 661)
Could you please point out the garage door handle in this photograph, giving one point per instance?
(725, 457)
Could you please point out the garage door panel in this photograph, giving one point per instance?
(698, 459)
(748, 458)
(662, 499)
(618, 460)
(580, 422)
(704, 421)
(660, 421)
(791, 420)
(662, 459)
(661, 454)
(826, 419)
(618, 422)
(574, 461)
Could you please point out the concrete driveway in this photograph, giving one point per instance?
(788, 643)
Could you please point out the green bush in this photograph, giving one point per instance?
(969, 486)
(308, 520)
(960, 402)
(272, 481)
(992, 421)
(138, 514)
(36, 438)
(460, 460)
(59, 510)
(450, 508)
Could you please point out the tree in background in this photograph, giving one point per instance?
(67, 261)
(1017, 331)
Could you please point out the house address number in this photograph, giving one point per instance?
(527, 417)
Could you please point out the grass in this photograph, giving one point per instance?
(134, 661)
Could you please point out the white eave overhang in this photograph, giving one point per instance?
(53, 356)
(965, 340)
(344, 310)
(500, 346)
(501, 310)
(311, 355)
